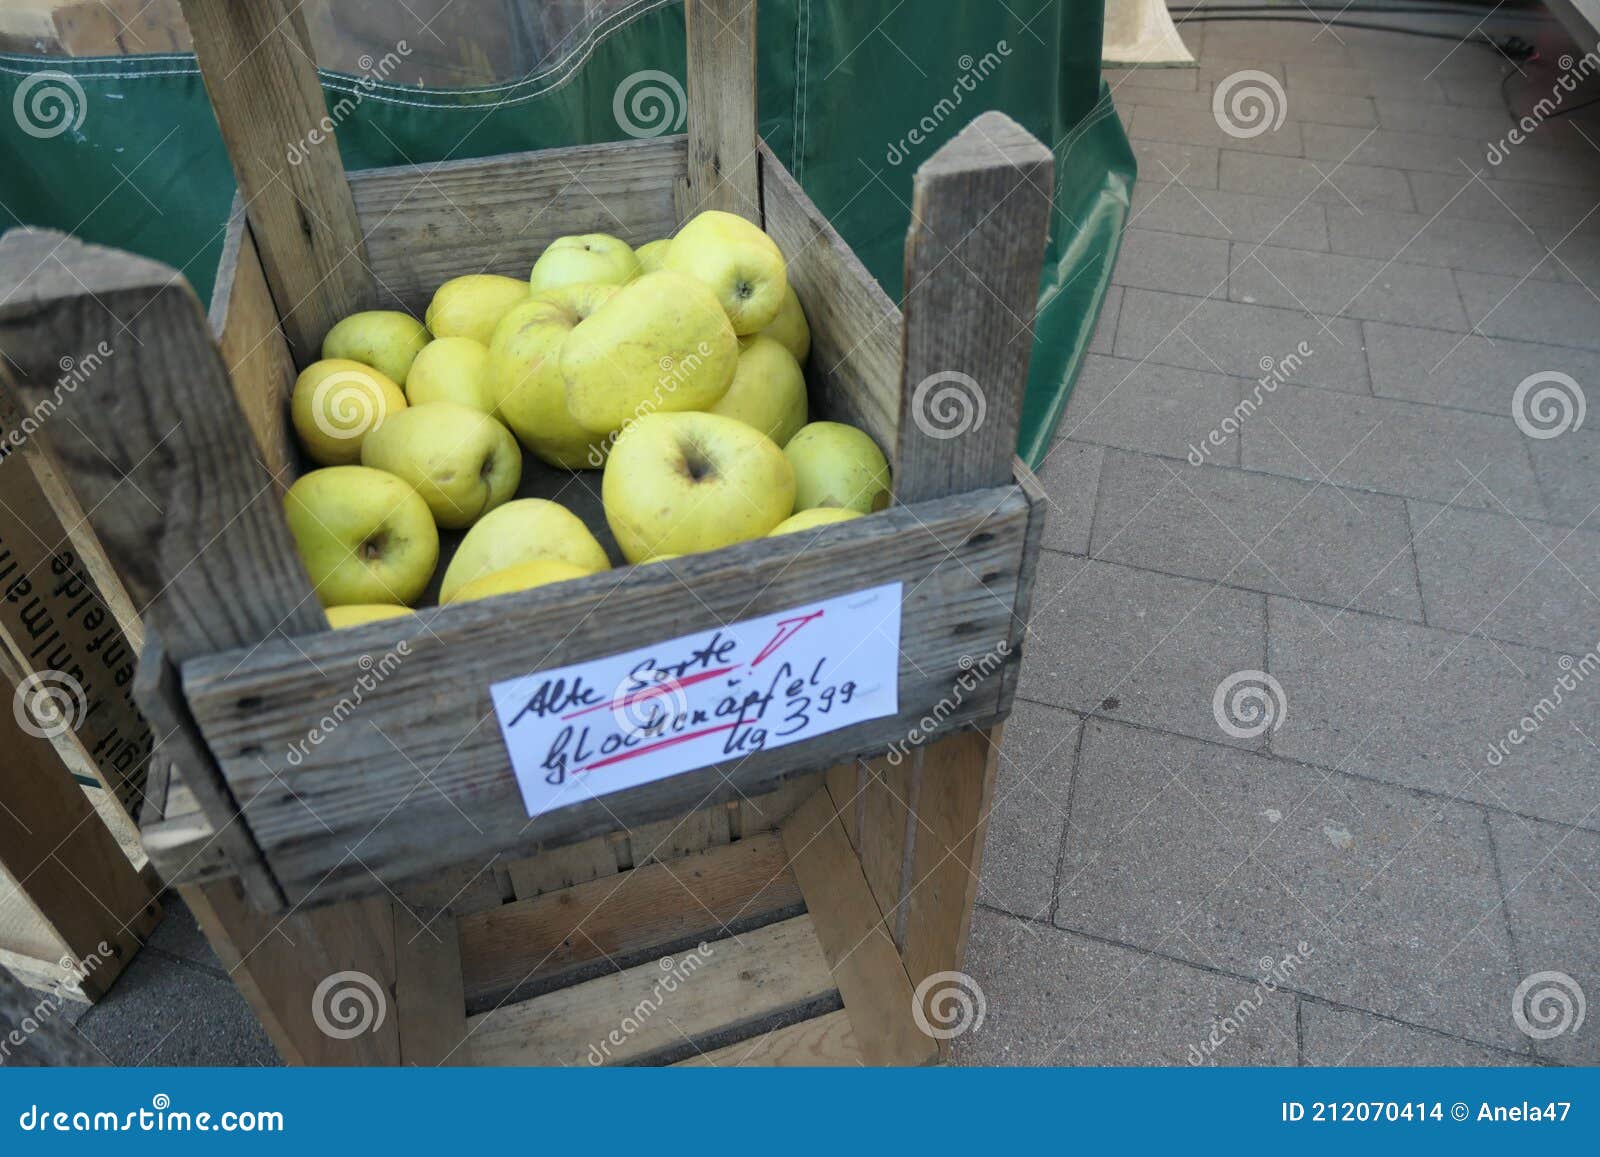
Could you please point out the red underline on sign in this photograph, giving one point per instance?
(676, 739)
(647, 692)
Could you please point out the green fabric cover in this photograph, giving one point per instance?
(852, 99)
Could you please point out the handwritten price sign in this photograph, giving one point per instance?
(713, 697)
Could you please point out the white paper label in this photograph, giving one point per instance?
(713, 697)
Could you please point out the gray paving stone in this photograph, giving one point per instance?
(1276, 40)
(1198, 99)
(1215, 68)
(1550, 876)
(1197, 265)
(1417, 116)
(1576, 255)
(1055, 998)
(1200, 126)
(1500, 576)
(1443, 154)
(1469, 371)
(1539, 311)
(1520, 203)
(1231, 858)
(1329, 108)
(1249, 341)
(1162, 161)
(179, 935)
(1029, 817)
(1361, 185)
(1250, 530)
(163, 1013)
(1335, 1036)
(1569, 475)
(1138, 646)
(1145, 406)
(1297, 224)
(1361, 82)
(1165, 79)
(1397, 447)
(1104, 339)
(1070, 475)
(1469, 91)
(1363, 287)
(1421, 707)
(1446, 241)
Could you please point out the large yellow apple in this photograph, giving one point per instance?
(471, 306)
(591, 259)
(683, 483)
(652, 255)
(462, 462)
(741, 265)
(336, 403)
(384, 339)
(530, 395)
(522, 577)
(661, 343)
(364, 535)
(790, 328)
(359, 614)
(811, 519)
(837, 465)
(522, 531)
(452, 369)
(768, 390)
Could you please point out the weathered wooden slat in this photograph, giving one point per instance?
(436, 786)
(430, 1011)
(886, 810)
(723, 169)
(766, 811)
(979, 221)
(680, 835)
(827, 1041)
(559, 868)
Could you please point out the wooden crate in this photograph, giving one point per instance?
(399, 847)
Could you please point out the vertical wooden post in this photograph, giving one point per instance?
(261, 75)
(724, 169)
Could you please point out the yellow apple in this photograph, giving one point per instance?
(471, 306)
(683, 483)
(652, 255)
(811, 519)
(462, 462)
(837, 465)
(592, 259)
(364, 535)
(357, 614)
(738, 262)
(525, 530)
(768, 390)
(381, 338)
(522, 577)
(790, 329)
(452, 369)
(525, 381)
(661, 343)
(336, 403)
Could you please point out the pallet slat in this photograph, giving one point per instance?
(826, 1041)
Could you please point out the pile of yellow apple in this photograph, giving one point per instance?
(675, 369)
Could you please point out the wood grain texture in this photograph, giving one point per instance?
(30, 1040)
(979, 222)
(767, 811)
(155, 447)
(559, 868)
(429, 1009)
(854, 371)
(885, 811)
(428, 223)
(723, 169)
(260, 73)
(436, 785)
(827, 1041)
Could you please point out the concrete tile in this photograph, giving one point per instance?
(1215, 68)
(1396, 447)
(1276, 40)
(1569, 475)
(1576, 255)
(1496, 575)
(1070, 475)
(1329, 108)
(1162, 161)
(1162, 79)
(1361, 185)
(1346, 286)
(1251, 530)
(1197, 265)
(1466, 90)
(1231, 858)
(1550, 876)
(1335, 1036)
(1296, 224)
(1195, 99)
(1054, 998)
(1481, 123)
(1138, 646)
(1150, 407)
(178, 934)
(1520, 203)
(1201, 127)
(1350, 81)
(1029, 816)
(1250, 341)
(1443, 154)
(1421, 707)
(1446, 241)
(1539, 311)
(1103, 341)
(161, 1013)
(1472, 372)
